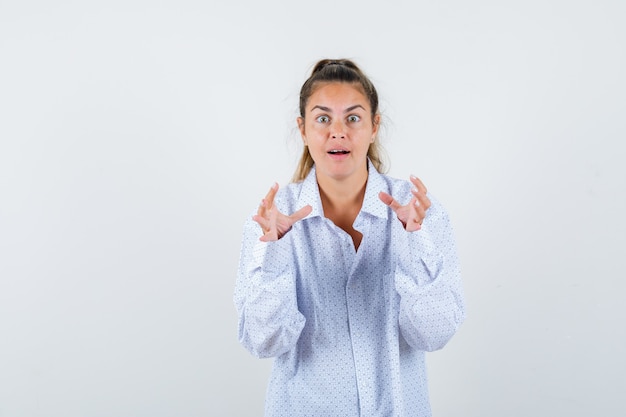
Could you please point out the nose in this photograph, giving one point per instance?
(338, 130)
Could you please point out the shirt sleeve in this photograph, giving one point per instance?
(428, 279)
(269, 323)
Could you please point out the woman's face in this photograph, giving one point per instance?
(338, 129)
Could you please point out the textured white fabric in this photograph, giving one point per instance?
(348, 329)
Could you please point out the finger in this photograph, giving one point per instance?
(271, 234)
(422, 198)
(419, 185)
(413, 221)
(269, 198)
(262, 221)
(420, 212)
(389, 200)
(267, 201)
(262, 210)
(268, 237)
(273, 217)
(422, 203)
(301, 214)
(412, 227)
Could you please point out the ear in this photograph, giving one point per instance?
(300, 121)
(376, 125)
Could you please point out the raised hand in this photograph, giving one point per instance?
(274, 223)
(412, 215)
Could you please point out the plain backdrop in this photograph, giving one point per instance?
(137, 136)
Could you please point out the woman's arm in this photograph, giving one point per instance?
(428, 280)
(265, 292)
(265, 295)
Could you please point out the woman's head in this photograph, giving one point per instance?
(338, 70)
(329, 71)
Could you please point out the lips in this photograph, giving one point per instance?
(338, 152)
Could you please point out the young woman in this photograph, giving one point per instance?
(347, 276)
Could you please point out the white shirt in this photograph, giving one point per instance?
(348, 329)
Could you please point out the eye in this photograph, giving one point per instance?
(353, 118)
(323, 119)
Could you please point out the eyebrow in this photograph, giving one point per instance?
(349, 109)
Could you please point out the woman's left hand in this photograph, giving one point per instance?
(412, 215)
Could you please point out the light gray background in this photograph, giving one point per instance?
(136, 137)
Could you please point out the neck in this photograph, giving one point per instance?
(342, 200)
(343, 192)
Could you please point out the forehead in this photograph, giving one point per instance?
(338, 93)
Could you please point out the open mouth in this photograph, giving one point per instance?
(338, 152)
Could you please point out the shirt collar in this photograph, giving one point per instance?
(310, 194)
(375, 184)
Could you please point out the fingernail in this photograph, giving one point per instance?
(417, 203)
(415, 190)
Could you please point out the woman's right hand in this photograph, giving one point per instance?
(274, 223)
